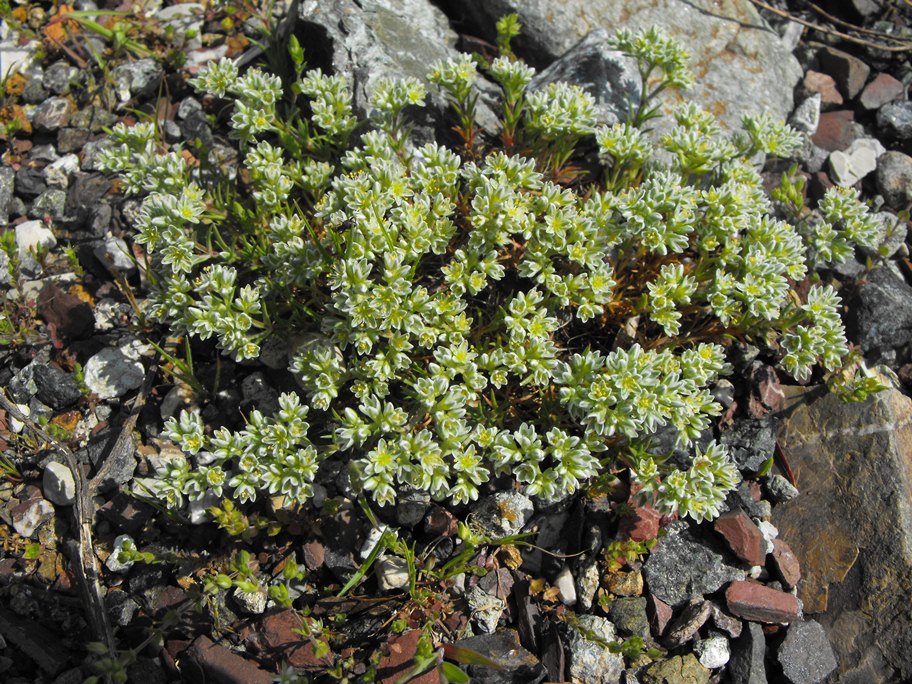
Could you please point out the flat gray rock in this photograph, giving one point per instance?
(739, 64)
(681, 567)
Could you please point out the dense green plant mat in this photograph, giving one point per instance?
(456, 315)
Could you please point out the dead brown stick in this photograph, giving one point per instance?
(907, 47)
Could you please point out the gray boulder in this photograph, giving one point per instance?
(733, 49)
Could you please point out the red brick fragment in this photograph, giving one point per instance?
(824, 85)
(882, 90)
(759, 603)
(660, 614)
(835, 131)
(744, 538)
(641, 524)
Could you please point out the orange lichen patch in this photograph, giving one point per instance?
(189, 158)
(15, 85)
(81, 294)
(67, 420)
(236, 44)
(56, 29)
(13, 118)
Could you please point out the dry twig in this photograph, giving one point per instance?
(904, 46)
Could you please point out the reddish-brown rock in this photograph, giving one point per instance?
(641, 524)
(834, 132)
(689, 622)
(206, 661)
(882, 90)
(276, 635)
(760, 603)
(439, 522)
(314, 553)
(766, 391)
(744, 538)
(71, 317)
(786, 563)
(399, 657)
(823, 85)
(849, 72)
(659, 612)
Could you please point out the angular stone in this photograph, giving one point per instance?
(895, 120)
(684, 669)
(622, 583)
(848, 167)
(503, 514)
(7, 185)
(779, 489)
(817, 83)
(221, 666)
(759, 603)
(806, 116)
(392, 573)
(849, 72)
(853, 463)
(59, 76)
(28, 516)
(786, 564)
(629, 616)
(725, 622)
(586, 575)
(110, 373)
(894, 178)
(518, 666)
(279, 635)
(55, 387)
(52, 114)
(751, 443)
(611, 77)
(724, 38)
(806, 655)
(713, 652)
(593, 661)
(50, 204)
(641, 524)
(398, 660)
(485, 609)
(681, 567)
(743, 536)
(138, 78)
(660, 614)
(32, 236)
(390, 39)
(58, 484)
(747, 663)
(71, 139)
(880, 312)
(251, 602)
(835, 131)
(71, 317)
(688, 623)
(882, 90)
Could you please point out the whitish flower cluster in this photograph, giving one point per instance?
(697, 492)
(271, 455)
(457, 319)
